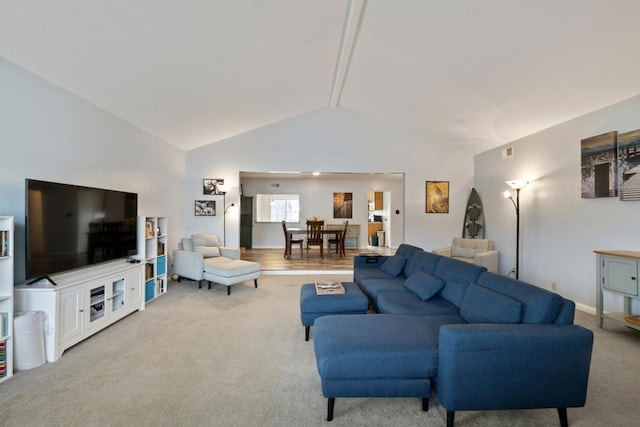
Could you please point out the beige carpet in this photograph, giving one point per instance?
(197, 357)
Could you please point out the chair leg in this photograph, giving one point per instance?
(330, 405)
(425, 404)
(450, 416)
(564, 420)
(199, 284)
(306, 332)
(255, 283)
(209, 284)
(228, 290)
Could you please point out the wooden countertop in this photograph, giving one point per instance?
(621, 254)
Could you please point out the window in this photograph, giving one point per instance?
(278, 207)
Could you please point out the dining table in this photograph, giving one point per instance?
(297, 231)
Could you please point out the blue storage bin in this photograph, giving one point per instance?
(161, 265)
(149, 290)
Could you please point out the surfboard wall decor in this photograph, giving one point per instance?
(473, 226)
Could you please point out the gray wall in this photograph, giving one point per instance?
(559, 229)
(50, 134)
(338, 140)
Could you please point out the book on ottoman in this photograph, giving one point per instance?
(329, 287)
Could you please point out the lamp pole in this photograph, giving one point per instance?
(517, 205)
(516, 185)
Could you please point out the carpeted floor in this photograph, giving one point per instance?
(197, 357)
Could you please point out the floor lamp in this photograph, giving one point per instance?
(224, 223)
(516, 185)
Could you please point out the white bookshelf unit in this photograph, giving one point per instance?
(6, 297)
(152, 251)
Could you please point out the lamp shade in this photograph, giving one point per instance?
(517, 184)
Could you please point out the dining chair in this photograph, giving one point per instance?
(338, 240)
(288, 243)
(315, 236)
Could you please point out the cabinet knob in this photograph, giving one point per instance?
(82, 310)
(633, 277)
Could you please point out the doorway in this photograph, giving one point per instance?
(379, 218)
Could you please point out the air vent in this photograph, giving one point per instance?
(275, 185)
(507, 152)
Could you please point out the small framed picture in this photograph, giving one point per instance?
(437, 197)
(205, 208)
(212, 186)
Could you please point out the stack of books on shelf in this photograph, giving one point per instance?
(4, 243)
(3, 358)
(148, 271)
(4, 324)
(149, 229)
(329, 287)
(160, 248)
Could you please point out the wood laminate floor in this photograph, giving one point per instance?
(273, 259)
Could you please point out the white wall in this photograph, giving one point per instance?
(559, 230)
(316, 199)
(338, 140)
(49, 134)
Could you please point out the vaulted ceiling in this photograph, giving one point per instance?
(194, 72)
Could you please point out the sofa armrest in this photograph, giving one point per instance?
(488, 259)
(231, 253)
(443, 251)
(188, 264)
(369, 261)
(523, 366)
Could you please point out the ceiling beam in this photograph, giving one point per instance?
(350, 31)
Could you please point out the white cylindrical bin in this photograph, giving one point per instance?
(380, 238)
(28, 346)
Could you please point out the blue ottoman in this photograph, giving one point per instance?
(312, 305)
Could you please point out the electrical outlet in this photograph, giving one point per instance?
(513, 270)
(554, 286)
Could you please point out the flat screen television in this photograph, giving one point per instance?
(70, 226)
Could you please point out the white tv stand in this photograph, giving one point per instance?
(82, 302)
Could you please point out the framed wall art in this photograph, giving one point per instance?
(205, 208)
(437, 197)
(343, 205)
(629, 165)
(599, 166)
(212, 186)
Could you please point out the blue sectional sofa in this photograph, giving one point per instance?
(480, 340)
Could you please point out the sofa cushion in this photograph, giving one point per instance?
(207, 251)
(186, 244)
(406, 250)
(375, 286)
(468, 248)
(393, 265)
(482, 305)
(410, 303)
(361, 346)
(457, 276)
(421, 261)
(205, 240)
(424, 285)
(538, 305)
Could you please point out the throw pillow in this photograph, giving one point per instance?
(424, 284)
(393, 265)
(205, 240)
(482, 305)
(208, 251)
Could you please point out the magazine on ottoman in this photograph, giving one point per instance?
(329, 287)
